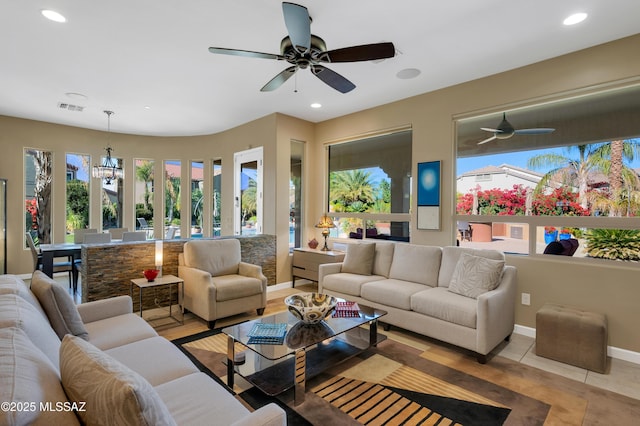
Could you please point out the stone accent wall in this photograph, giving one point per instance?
(107, 269)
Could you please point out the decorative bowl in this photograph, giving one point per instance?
(150, 274)
(311, 308)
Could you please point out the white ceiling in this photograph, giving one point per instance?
(124, 55)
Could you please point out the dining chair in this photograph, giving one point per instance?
(98, 237)
(116, 233)
(134, 236)
(78, 234)
(57, 266)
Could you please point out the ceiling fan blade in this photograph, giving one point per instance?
(279, 79)
(332, 79)
(488, 129)
(246, 53)
(365, 52)
(298, 23)
(487, 140)
(538, 131)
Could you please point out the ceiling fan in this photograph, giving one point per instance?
(305, 50)
(505, 130)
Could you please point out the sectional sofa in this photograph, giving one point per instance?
(98, 363)
(461, 296)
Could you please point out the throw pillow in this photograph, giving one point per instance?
(475, 275)
(59, 306)
(359, 259)
(112, 393)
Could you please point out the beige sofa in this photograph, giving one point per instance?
(110, 368)
(462, 296)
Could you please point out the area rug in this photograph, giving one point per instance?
(389, 384)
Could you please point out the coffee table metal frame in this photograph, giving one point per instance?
(168, 280)
(305, 352)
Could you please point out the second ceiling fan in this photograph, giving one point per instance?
(304, 50)
(505, 130)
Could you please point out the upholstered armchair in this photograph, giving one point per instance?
(217, 283)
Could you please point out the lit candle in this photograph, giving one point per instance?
(159, 257)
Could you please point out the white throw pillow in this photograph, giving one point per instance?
(110, 392)
(60, 308)
(359, 258)
(475, 275)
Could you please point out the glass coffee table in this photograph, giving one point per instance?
(305, 351)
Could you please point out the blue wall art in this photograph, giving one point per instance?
(429, 195)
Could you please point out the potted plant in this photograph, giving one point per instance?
(565, 234)
(550, 234)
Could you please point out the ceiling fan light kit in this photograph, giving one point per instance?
(505, 130)
(304, 50)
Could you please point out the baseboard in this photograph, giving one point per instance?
(613, 352)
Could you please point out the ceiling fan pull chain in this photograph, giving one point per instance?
(295, 83)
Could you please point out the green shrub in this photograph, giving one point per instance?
(614, 244)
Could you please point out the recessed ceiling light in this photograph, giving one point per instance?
(576, 18)
(147, 107)
(53, 15)
(316, 105)
(408, 73)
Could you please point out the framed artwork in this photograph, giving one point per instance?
(429, 178)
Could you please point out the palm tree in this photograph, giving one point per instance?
(42, 161)
(352, 189)
(144, 173)
(568, 170)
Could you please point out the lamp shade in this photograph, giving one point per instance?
(325, 222)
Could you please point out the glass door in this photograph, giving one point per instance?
(248, 192)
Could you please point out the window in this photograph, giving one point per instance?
(295, 194)
(570, 178)
(370, 187)
(143, 191)
(172, 173)
(197, 198)
(38, 175)
(216, 198)
(78, 183)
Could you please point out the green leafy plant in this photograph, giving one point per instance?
(614, 244)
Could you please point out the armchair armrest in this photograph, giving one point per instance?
(106, 308)
(253, 271)
(269, 415)
(496, 312)
(327, 269)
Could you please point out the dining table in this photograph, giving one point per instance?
(51, 251)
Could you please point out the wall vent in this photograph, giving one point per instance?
(70, 107)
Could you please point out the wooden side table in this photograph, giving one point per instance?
(306, 262)
(168, 280)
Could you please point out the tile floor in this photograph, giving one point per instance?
(623, 377)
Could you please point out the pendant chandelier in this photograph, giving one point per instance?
(109, 170)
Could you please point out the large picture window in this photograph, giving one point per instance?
(579, 173)
(370, 187)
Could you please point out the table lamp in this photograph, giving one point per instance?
(325, 224)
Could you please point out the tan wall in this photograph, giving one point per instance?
(611, 289)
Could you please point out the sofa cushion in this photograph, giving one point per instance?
(475, 275)
(231, 287)
(440, 303)
(29, 377)
(218, 257)
(131, 328)
(197, 400)
(17, 312)
(12, 284)
(391, 292)
(348, 283)
(451, 255)
(59, 306)
(382, 259)
(415, 263)
(112, 393)
(144, 357)
(359, 258)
